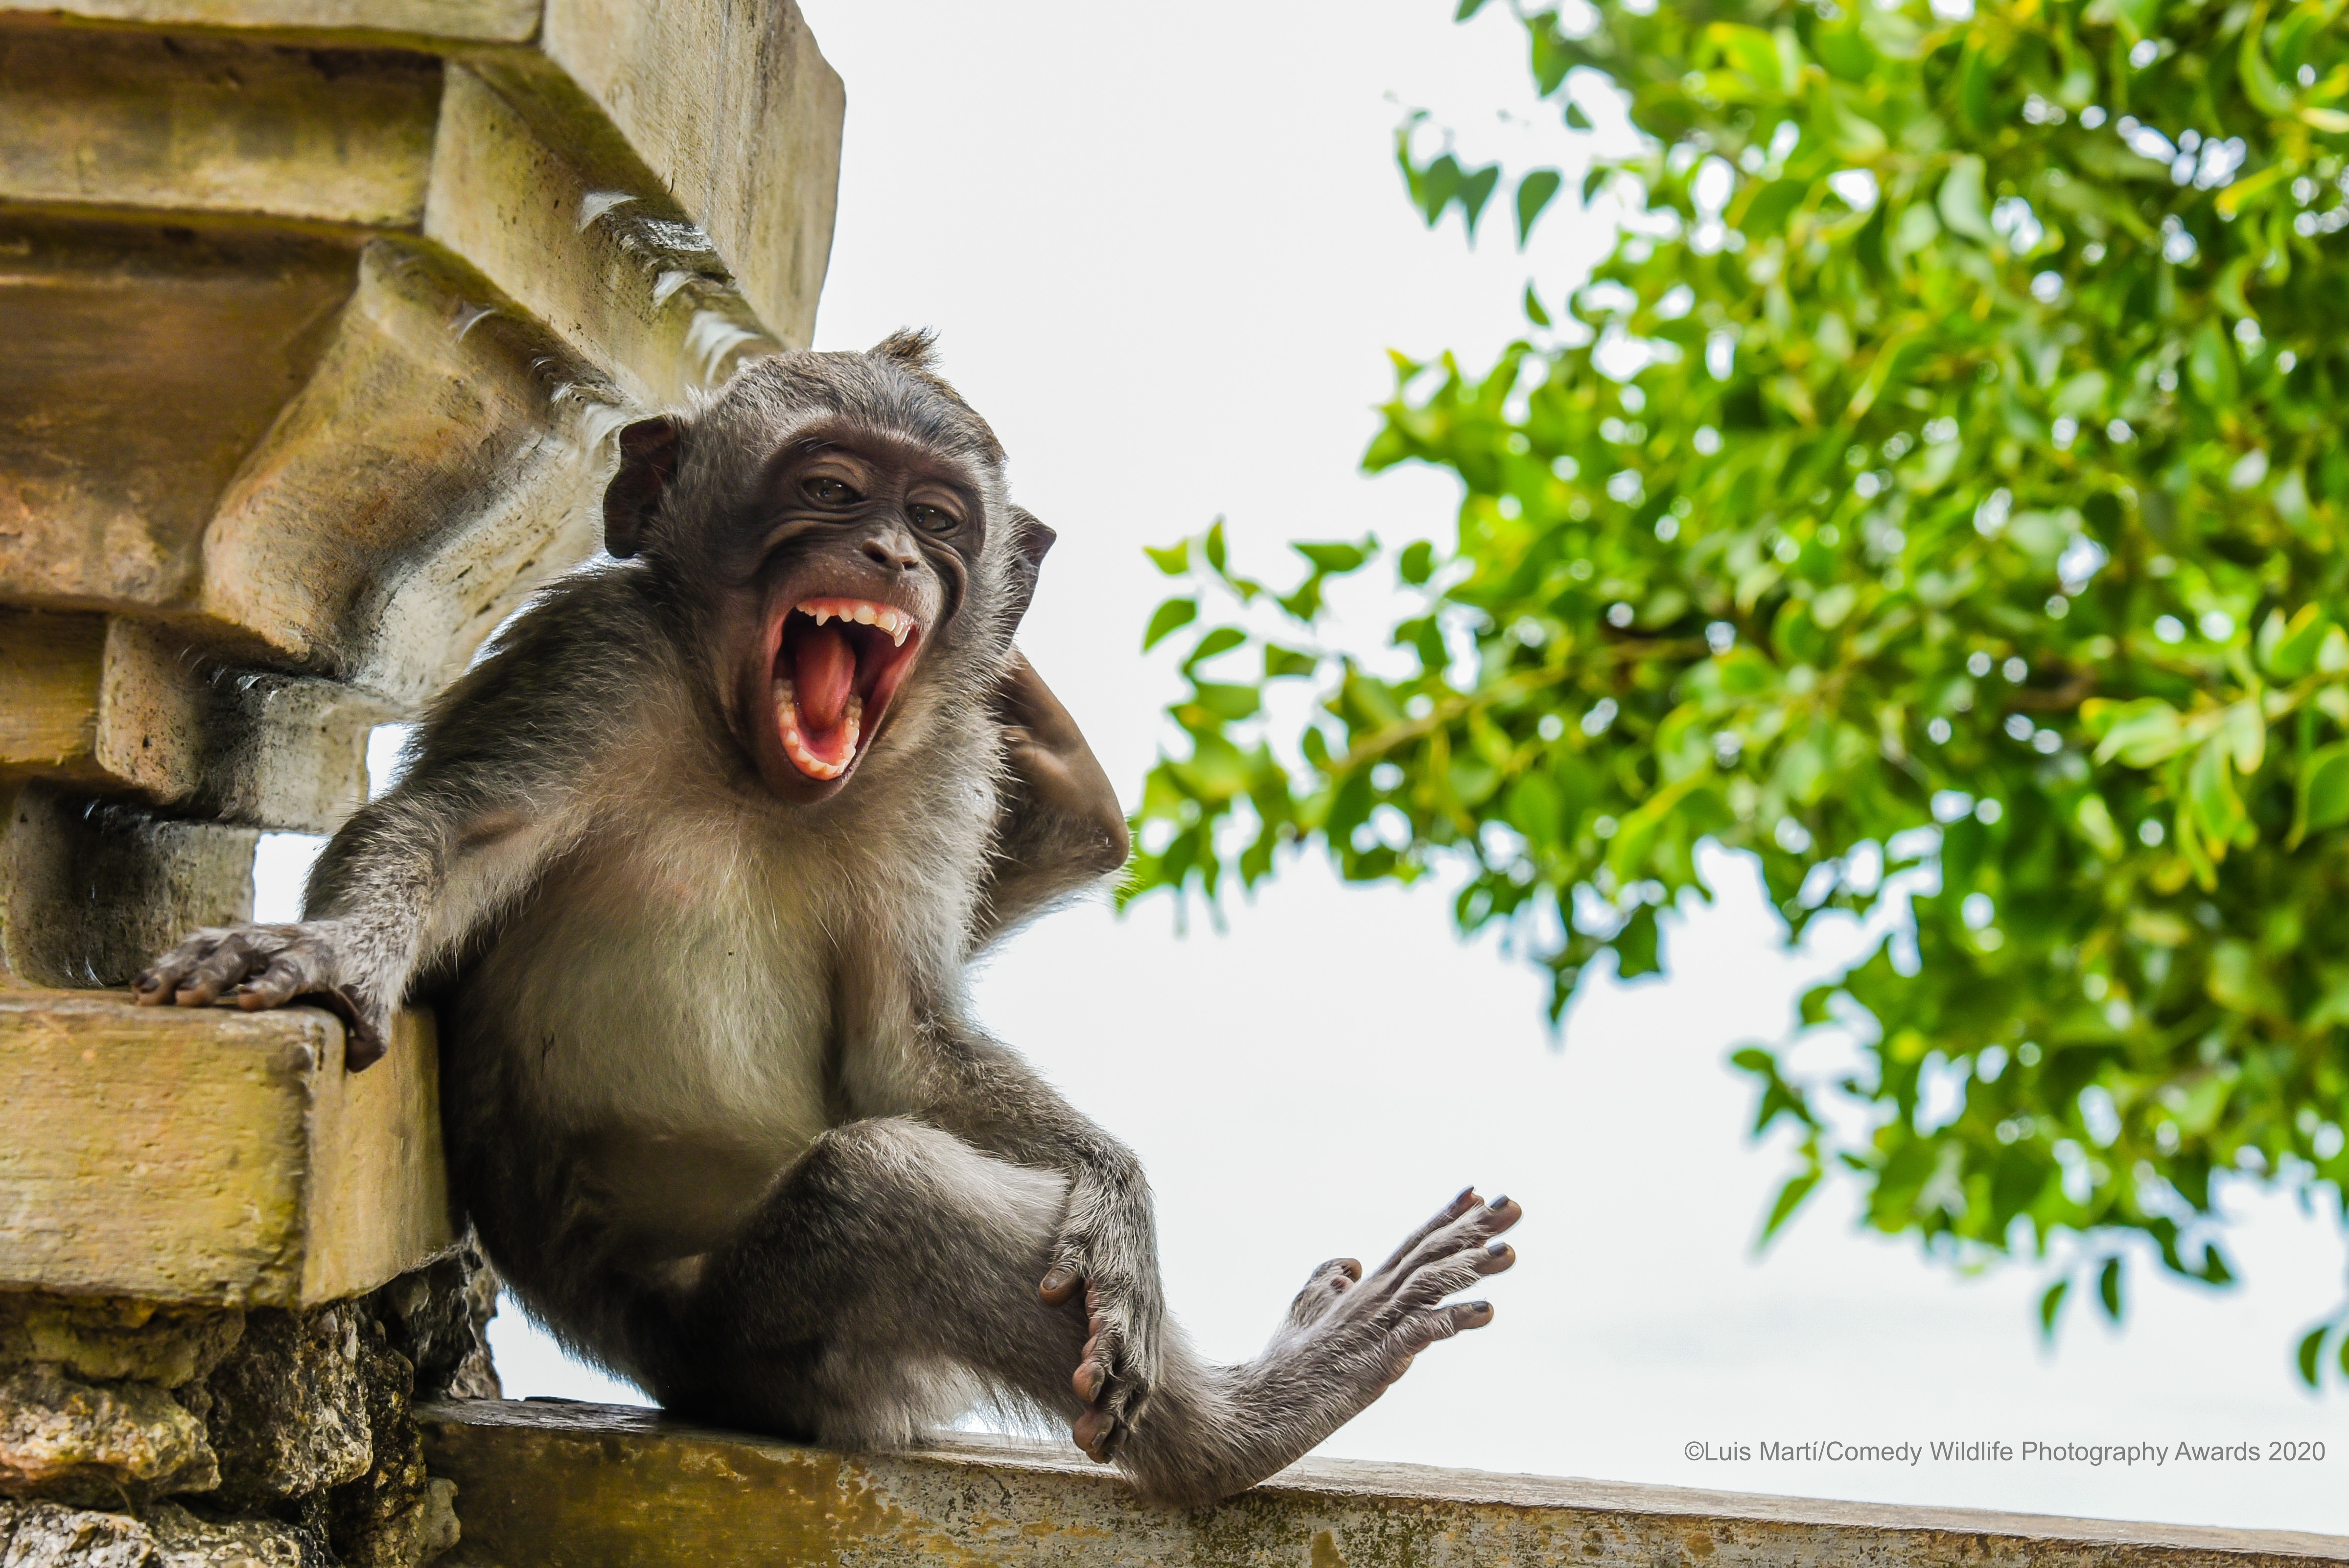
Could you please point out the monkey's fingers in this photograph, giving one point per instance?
(227, 965)
(1060, 1285)
(1466, 1201)
(1091, 1433)
(286, 978)
(160, 984)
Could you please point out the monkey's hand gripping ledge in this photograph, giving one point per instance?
(562, 1484)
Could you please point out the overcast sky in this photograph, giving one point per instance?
(1166, 251)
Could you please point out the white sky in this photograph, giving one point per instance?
(1166, 251)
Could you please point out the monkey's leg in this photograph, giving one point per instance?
(891, 1277)
(886, 1284)
(1210, 1431)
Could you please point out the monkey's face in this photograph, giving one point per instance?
(863, 553)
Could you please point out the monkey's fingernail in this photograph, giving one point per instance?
(1500, 1202)
(1496, 1250)
(1483, 1306)
(1463, 1194)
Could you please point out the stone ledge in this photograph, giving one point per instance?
(562, 1484)
(209, 1155)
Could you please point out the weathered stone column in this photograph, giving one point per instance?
(315, 319)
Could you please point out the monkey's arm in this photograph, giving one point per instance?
(1061, 827)
(492, 777)
(400, 887)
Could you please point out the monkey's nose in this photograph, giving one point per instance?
(895, 555)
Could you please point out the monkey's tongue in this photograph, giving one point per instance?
(824, 673)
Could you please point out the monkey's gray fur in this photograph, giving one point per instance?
(712, 1095)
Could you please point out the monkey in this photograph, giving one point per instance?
(691, 866)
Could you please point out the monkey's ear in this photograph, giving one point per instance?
(648, 452)
(914, 347)
(1030, 541)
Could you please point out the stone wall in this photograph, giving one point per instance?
(316, 321)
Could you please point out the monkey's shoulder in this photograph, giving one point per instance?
(564, 674)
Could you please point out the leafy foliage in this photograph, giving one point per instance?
(1938, 489)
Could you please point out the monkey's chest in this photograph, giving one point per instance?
(679, 1031)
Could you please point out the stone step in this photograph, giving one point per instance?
(211, 1156)
(589, 1486)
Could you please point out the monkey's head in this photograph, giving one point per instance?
(834, 529)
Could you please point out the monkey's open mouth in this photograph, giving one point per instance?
(838, 664)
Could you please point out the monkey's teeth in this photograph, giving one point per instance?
(796, 746)
(863, 612)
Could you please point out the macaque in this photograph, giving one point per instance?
(691, 866)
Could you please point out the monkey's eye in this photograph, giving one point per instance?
(829, 491)
(934, 519)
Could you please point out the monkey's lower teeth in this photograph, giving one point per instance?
(796, 741)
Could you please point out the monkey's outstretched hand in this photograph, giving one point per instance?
(257, 966)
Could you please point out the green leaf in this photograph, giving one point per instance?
(2244, 733)
(2210, 790)
(1168, 618)
(1279, 662)
(1417, 564)
(2311, 1345)
(1174, 561)
(1221, 640)
(1535, 312)
(2050, 1301)
(2210, 366)
(1535, 193)
(2324, 801)
(2109, 1288)
(1216, 557)
(1790, 1199)
(2139, 733)
(1335, 558)
(2295, 651)
(2260, 84)
(1962, 203)
(1226, 701)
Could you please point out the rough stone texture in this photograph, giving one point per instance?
(184, 1540)
(287, 1409)
(211, 125)
(103, 1339)
(132, 707)
(44, 1535)
(119, 432)
(560, 1484)
(47, 1535)
(210, 1155)
(91, 890)
(439, 1318)
(86, 1442)
(387, 1517)
(292, 1437)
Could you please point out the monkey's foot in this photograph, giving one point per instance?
(1355, 1335)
